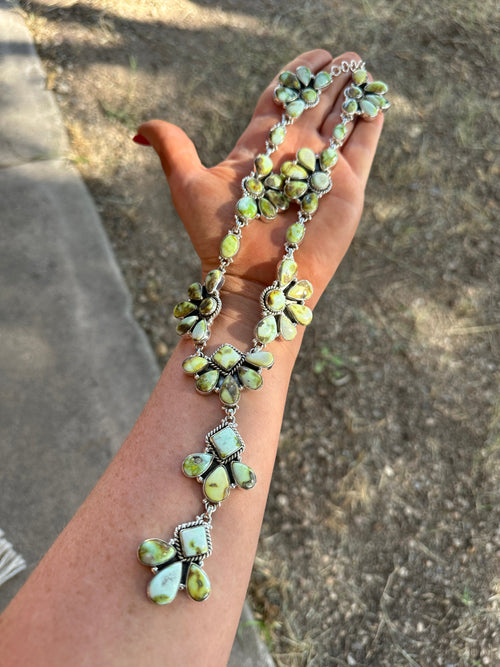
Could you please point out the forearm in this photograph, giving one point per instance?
(86, 601)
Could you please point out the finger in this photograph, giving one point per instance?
(359, 149)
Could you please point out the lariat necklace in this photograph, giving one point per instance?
(177, 564)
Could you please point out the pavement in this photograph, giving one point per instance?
(75, 367)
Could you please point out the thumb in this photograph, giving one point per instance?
(177, 153)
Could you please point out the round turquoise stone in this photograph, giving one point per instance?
(247, 208)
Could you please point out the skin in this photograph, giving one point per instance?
(85, 604)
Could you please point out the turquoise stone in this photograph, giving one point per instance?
(309, 203)
(226, 357)
(208, 381)
(214, 280)
(216, 485)
(307, 159)
(289, 80)
(260, 358)
(278, 199)
(277, 135)
(287, 329)
(350, 106)
(274, 181)
(226, 442)
(301, 314)
(368, 109)
(275, 300)
(163, 587)
(293, 171)
(359, 76)
(195, 465)
(378, 87)
(328, 158)
(355, 92)
(183, 309)
(296, 232)
(254, 186)
(285, 95)
(287, 271)
(186, 324)
(296, 108)
(339, 132)
(208, 306)
(263, 165)
(243, 475)
(246, 206)
(309, 95)
(249, 378)
(266, 330)
(197, 583)
(195, 291)
(295, 189)
(194, 364)
(155, 552)
(303, 74)
(193, 541)
(322, 80)
(267, 209)
(320, 181)
(200, 331)
(230, 243)
(300, 291)
(229, 392)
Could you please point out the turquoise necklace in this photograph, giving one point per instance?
(177, 564)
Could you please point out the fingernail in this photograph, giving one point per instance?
(139, 139)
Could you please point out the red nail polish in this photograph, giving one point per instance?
(139, 139)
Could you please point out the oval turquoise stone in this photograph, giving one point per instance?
(163, 587)
(254, 186)
(216, 486)
(285, 95)
(247, 207)
(295, 109)
(295, 233)
(197, 583)
(208, 306)
(368, 109)
(155, 552)
(309, 95)
(229, 391)
(350, 106)
(309, 203)
(320, 181)
(195, 465)
(354, 92)
(230, 244)
(287, 271)
(339, 132)
(277, 135)
(378, 87)
(328, 158)
(195, 291)
(263, 165)
(194, 364)
(359, 76)
(274, 181)
(214, 280)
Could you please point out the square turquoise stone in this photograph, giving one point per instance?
(194, 541)
(227, 441)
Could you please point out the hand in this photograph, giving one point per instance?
(205, 198)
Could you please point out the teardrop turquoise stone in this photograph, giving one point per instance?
(243, 475)
(163, 587)
(197, 583)
(195, 465)
(155, 552)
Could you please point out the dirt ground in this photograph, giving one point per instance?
(381, 540)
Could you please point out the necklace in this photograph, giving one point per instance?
(178, 564)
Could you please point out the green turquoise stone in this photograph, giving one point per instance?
(296, 232)
(197, 583)
(208, 306)
(194, 364)
(249, 378)
(359, 76)
(378, 87)
(287, 329)
(339, 132)
(226, 357)
(183, 309)
(229, 392)
(301, 314)
(275, 300)
(355, 92)
(285, 95)
(263, 165)
(368, 109)
(186, 324)
(384, 104)
(254, 186)
(163, 587)
(303, 74)
(266, 330)
(295, 109)
(193, 541)
(322, 80)
(216, 485)
(278, 199)
(287, 271)
(328, 158)
(295, 189)
(274, 181)
(350, 106)
(247, 207)
(208, 381)
(307, 159)
(293, 171)
(309, 203)
(195, 291)
(155, 552)
(230, 244)
(277, 135)
(309, 95)
(214, 280)
(200, 332)
(195, 465)
(226, 442)
(300, 291)
(289, 79)
(243, 475)
(267, 209)
(260, 358)
(376, 100)
(320, 181)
